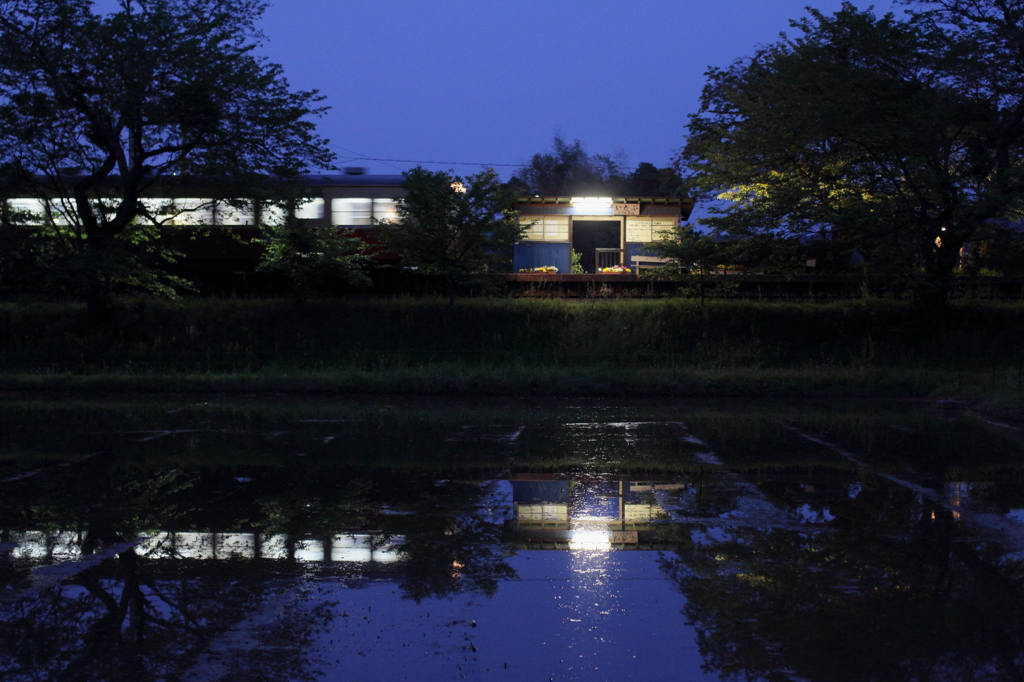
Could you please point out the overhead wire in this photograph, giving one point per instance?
(360, 157)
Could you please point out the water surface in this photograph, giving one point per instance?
(409, 539)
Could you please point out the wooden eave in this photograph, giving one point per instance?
(685, 204)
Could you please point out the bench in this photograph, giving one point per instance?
(639, 262)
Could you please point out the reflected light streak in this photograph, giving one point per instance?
(600, 540)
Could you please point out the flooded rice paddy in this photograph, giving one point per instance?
(487, 540)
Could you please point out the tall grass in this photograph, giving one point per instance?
(424, 345)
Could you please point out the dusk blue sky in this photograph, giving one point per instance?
(492, 81)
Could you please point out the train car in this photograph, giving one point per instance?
(219, 228)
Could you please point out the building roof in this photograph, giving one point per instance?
(350, 180)
(684, 205)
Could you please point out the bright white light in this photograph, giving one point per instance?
(590, 539)
(592, 202)
(309, 550)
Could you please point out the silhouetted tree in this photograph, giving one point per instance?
(95, 109)
(459, 228)
(898, 137)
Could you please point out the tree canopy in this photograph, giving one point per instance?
(569, 170)
(97, 109)
(898, 137)
(455, 227)
(313, 257)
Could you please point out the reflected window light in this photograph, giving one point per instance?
(231, 545)
(351, 548)
(155, 546)
(29, 545)
(64, 546)
(543, 512)
(351, 212)
(310, 209)
(274, 547)
(309, 550)
(192, 545)
(386, 556)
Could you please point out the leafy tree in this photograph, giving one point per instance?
(997, 250)
(569, 170)
(158, 90)
(898, 138)
(454, 227)
(693, 256)
(650, 181)
(312, 256)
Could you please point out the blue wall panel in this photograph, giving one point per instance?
(539, 254)
(635, 249)
(527, 492)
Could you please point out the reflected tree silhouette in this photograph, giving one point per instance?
(916, 602)
(135, 621)
(439, 529)
(448, 547)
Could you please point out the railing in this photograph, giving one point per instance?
(605, 258)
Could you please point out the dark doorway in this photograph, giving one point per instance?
(588, 235)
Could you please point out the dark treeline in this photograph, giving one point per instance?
(225, 335)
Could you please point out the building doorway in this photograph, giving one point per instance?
(590, 235)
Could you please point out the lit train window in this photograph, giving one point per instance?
(63, 212)
(351, 211)
(191, 211)
(271, 215)
(310, 209)
(27, 210)
(234, 212)
(385, 209)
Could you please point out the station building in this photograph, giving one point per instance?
(604, 231)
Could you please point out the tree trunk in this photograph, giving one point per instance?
(100, 303)
(932, 292)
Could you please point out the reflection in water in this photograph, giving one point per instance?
(355, 547)
(587, 512)
(817, 546)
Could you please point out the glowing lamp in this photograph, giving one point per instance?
(592, 202)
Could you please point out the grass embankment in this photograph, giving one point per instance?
(674, 346)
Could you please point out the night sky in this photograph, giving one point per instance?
(474, 83)
(492, 81)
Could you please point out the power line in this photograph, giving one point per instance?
(447, 163)
(358, 157)
(442, 163)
